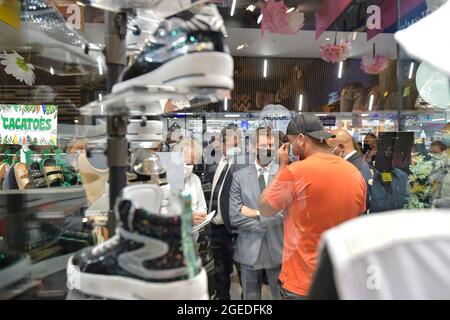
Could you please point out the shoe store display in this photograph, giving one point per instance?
(94, 179)
(42, 240)
(3, 169)
(179, 60)
(37, 176)
(52, 173)
(186, 51)
(22, 176)
(151, 256)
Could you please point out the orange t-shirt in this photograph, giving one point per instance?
(317, 194)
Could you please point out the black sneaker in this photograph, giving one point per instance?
(150, 257)
(186, 51)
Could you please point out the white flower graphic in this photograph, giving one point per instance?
(17, 67)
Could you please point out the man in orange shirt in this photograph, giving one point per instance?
(317, 192)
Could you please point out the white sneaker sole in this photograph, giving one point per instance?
(122, 288)
(194, 70)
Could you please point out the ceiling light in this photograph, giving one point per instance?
(341, 69)
(100, 97)
(328, 39)
(290, 10)
(80, 3)
(260, 18)
(411, 71)
(100, 67)
(265, 68)
(242, 46)
(225, 104)
(300, 103)
(371, 101)
(251, 8)
(233, 7)
(52, 71)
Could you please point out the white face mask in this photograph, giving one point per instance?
(231, 152)
(188, 169)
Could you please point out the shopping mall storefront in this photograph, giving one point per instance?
(224, 150)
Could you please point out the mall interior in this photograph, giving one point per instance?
(224, 149)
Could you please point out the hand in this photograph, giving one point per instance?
(198, 218)
(283, 155)
(249, 213)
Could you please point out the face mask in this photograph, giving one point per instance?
(334, 152)
(188, 169)
(72, 158)
(231, 152)
(292, 157)
(366, 148)
(265, 156)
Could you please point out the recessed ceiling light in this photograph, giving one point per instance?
(233, 7)
(260, 18)
(290, 10)
(328, 39)
(251, 8)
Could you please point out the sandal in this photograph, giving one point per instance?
(3, 169)
(22, 177)
(37, 176)
(53, 173)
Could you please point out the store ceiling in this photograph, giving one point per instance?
(243, 18)
(302, 45)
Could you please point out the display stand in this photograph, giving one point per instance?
(138, 101)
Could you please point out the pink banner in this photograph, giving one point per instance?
(389, 14)
(328, 13)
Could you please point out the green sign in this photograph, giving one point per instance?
(28, 124)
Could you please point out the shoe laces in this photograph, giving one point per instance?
(106, 246)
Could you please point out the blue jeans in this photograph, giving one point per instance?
(252, 281)
(287, 295)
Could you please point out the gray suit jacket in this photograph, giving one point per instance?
(251, 231)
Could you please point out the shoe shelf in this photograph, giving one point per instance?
(146, 100)
(119, 5)
(46, 203)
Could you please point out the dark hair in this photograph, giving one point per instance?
(282, 137)
(261, 130)
(440, 145)
(370, 134)
(233, 127)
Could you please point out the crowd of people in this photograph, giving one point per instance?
(276, 194)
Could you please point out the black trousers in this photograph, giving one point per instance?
(223, 244)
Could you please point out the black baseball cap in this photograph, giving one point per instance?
(310, 125)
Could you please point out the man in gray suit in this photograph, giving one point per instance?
(260, 239)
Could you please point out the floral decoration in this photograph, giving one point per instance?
(17, 67)
(376, 65)
(335, 53)
(425, 180)
(277, 20)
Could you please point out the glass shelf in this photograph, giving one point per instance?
(158, 6)
(149, 100)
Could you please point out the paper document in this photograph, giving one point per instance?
(204, 223)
